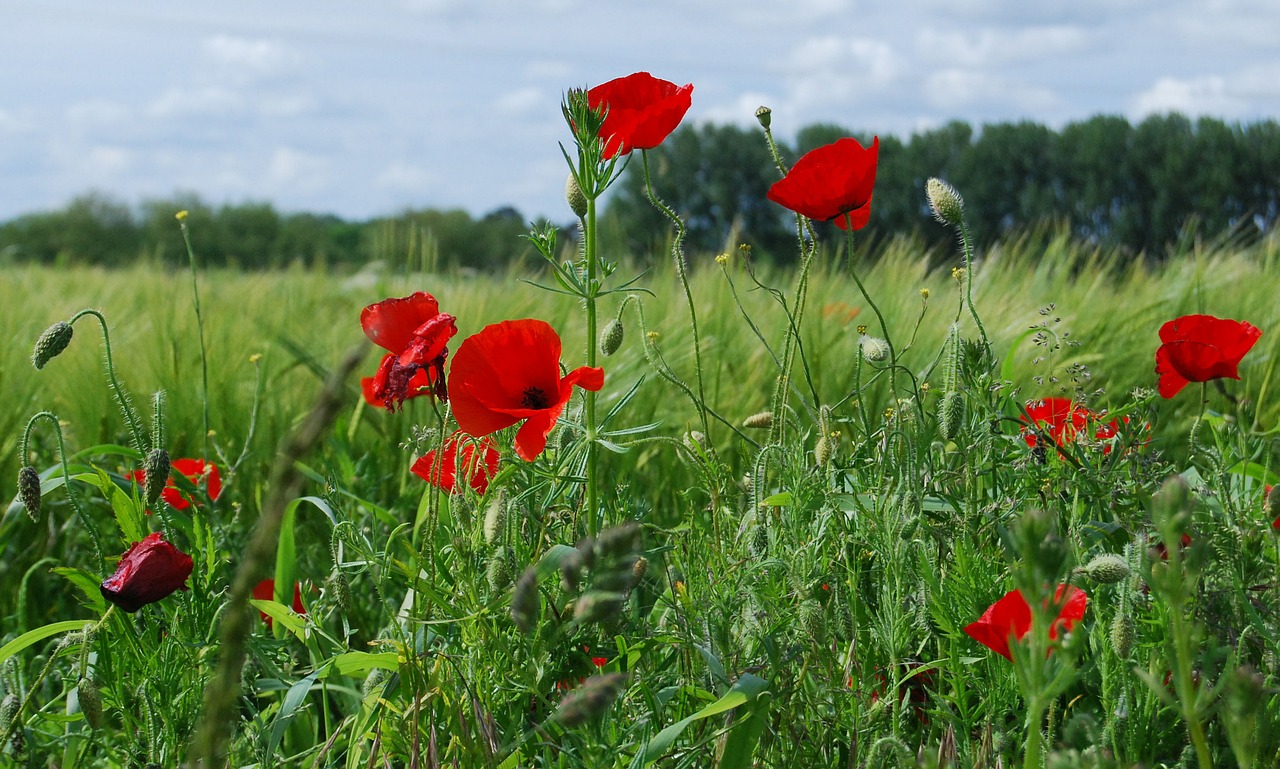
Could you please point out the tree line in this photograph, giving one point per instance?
(1114, 184)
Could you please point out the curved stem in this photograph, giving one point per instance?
(121, 397)
(204, 356)
(967, 248)
(88, 523)
(884, 327)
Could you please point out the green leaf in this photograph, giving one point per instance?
(282, 617)
(747, 689)
(782, 499)
(39, 634)
(360, 663)
(292, 701)
(88, 584)
(745, 733)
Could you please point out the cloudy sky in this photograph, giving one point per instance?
(370, 107)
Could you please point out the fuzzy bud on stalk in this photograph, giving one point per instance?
(810, 615)
(947, 205)
(1106, 569)
(51, 344)
(495, 518)
(823, 449)
(950, 415)
(90, 703)
(760, 421)
(573, 195)
(29, 490)
(611, 337)
(874, 349)
(155, 470)
(498, 571)
(1122, 634)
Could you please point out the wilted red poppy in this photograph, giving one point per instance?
(834, 181)
(476, 467)
(1010, 618)
(266, 591)
(374, 386)
(642, 111)
(510, 372)
(198, 471)
(1064, 420)
(1197, 348)
(414, 330)
(148, 571)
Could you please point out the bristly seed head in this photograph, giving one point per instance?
(1106, 569)
(760, 421)
(29, 490)
(874, 349)
(589, 700)
(51, 343)
(526, 605)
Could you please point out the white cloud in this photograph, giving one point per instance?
(987, 47)
(1208, 95)
(960, 91)
(253, 56)
(106, 161)
(524, 101)
(182, 102)
(98, 112)
(296, 170)
(401, 177)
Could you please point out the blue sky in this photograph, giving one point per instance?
(367, 108)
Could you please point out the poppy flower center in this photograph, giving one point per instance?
(534, 398)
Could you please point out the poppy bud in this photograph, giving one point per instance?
(148, 571)
(874, 349)
(1122, 633)
(156, 474)
(589, 700)
(341, 587)
(90, 703)
(823, 449)
(1273, 506)
(810, 616)
(765, 116)
(950, 415)
(598, 606)
(498, 572)
(376, 677)
(611, 337)
(526, 604)
(495, 516)
(29, 490)
(51, 344)
(573, 195)
(1107, 569)
(946, 203)
(760, 421)
(1172, 501)
(758, 545)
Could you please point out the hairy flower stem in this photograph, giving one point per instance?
(967, 248)
(677, 252)
(884, 327)
(204, 356)
(122, 399)
(591, 257)
(88, 523)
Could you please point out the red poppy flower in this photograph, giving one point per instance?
(266, 591)
(1161, 551)
(510, 372)
(374, 386)
(1065, 420)
(1270, 504)
(1197, 348)
(1010, 618)
(642, 111)
(834, 181)
(476, 468)
(148, 571)
(197, 471)
(414, 330)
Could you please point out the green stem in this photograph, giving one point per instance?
(884, 327)
(122, 399)
(88, 523)
(967, 248)
(204, 356)
(590, 256)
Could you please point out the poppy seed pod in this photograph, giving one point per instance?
(946, 203)
(760, 421)
(156, 474)
(51, 343)
(611, 337)
(149, 571)
(29, 490)
(574, 197)
(765, 116)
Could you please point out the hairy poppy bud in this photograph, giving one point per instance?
(148, 571)
(90, 703)
(573, 195)
(526, 605)
(29, 490)
(765, 116)
(589, 700)
(495, 518)
(874, 349)
(946, 203)
(1107, 569)
(611, 337)
(498, 572)
(155, 470)
(341, 587)
(760, 421)
(811, 620)
(758, 544)
(950, 415)
(51, 343)
(1122, 633)
(823, 449)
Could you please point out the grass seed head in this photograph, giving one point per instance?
(589, 700)
(29, 490)
(51, 344)
(526, 605)
(760, 421)
(598, 606)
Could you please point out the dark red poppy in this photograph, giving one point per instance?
(1197, 348)
(834, 181)
(641, 111)
(476, 467)
(148, 571)
(266, 591)
(1065, 420)
(1010, 618)
(1161, 551)
(416, 333)
(199, 472)
(510, 372)
(1270, 504)
(372, 386)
